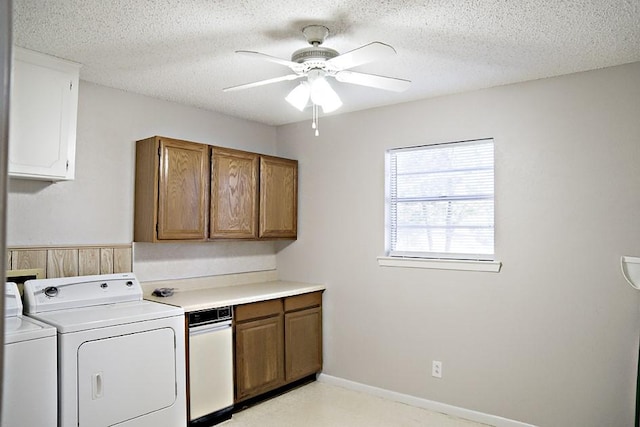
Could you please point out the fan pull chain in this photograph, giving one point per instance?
(314, 122)
(313, 116)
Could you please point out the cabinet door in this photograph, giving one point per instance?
(278, 197)
(303, 343)
(43, 115)
(259, 356)
(183, 190)
(234, 194)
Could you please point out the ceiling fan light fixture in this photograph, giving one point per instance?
(317, 62)
(322, 94)
(299, 96)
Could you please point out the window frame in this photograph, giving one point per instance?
(446, 260)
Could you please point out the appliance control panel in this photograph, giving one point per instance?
(43, 295)
(212, 315)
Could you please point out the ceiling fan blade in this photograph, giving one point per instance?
(293, 65)
(362, 55)
(263, 82)
(372, 80)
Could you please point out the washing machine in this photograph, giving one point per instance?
(121, 359)
(30, 372)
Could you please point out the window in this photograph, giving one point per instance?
(440, 201)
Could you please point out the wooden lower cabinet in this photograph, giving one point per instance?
(277, 342)
(303, 343)
(259, 355)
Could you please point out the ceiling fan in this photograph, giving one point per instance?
(316, 63)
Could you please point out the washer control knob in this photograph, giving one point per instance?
(104, 285)
(51, 291)
(129, 283)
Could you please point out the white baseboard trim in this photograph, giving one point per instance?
(430, 405)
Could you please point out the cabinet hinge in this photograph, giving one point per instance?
(67, 165)
(70, 85)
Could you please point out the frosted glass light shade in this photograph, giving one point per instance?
(322, 94)
(299, 96)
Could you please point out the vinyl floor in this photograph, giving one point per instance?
(323, 405)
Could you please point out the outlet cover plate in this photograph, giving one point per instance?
(436, 369)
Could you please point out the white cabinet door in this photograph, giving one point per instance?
(126, 377)
(43, 116)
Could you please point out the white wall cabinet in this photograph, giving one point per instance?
(43, 116)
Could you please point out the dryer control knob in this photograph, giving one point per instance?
(51, 291)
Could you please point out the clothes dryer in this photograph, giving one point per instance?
(121, 358)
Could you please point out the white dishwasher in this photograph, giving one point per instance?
(210, 366)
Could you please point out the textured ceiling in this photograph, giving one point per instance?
(183, 50)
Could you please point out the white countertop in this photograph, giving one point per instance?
(202, 299)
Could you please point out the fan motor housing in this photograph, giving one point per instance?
(315, 53)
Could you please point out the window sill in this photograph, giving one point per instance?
(440, 264)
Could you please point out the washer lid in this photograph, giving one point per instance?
(12, 301)
(102, 316)
(22, 328)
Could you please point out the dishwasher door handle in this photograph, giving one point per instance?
(208, 328)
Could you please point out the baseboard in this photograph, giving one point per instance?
(431, 405)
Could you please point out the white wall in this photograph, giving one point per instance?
(552, 339)
(97, 207)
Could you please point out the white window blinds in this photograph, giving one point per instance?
(440, 201)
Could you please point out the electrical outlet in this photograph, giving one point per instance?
(436, 369)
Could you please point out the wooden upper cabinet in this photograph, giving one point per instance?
(172, 190)
(183, 190)
(234, 194)
(278, 197)
(186, 191)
